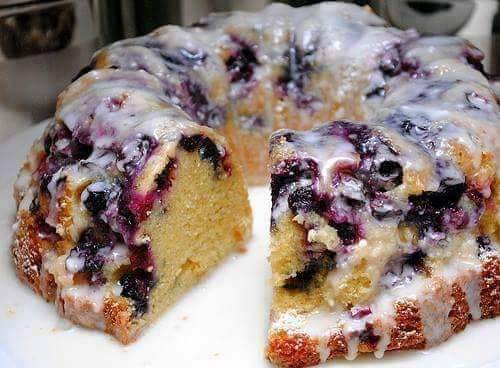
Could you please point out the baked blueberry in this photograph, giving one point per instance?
(241, 63)
(136, 285)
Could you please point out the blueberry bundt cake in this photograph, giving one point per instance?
(135, 189)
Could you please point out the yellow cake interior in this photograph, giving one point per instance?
(183, 248)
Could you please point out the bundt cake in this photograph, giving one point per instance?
(136, 187)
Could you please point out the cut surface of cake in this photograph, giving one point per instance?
(124, 203)
(384, 236)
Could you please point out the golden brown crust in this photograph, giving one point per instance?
(27, 250)
(48, 286)
(287, 349)
(118, 317)
(408, 332)
(490, 288)
(337, 346)
(460, 313)
(292, 350)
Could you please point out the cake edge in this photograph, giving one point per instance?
(298, 349)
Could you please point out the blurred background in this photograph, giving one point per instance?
(43, 44)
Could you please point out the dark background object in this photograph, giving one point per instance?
(121, 19)
(42, 44)
(43, 30)
(430, 16)
(495, 44)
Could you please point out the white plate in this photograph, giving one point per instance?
(220, 323)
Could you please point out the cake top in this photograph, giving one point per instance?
(205, 68)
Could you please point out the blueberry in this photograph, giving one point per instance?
(51, 165)
(477, 102)
(376, 91)
(134, 153)
(47, 143)
(403, 269)
(45, 230)
(427, 209)
(198, 99)
(207, 149)
(386, 176)
(164, 179)
(416, 260)
(191, 143)
(304, 279)
(391, 174)
(433, 91)
(88, 247)
(290, 171)
(410, 65)
(35, 205)
(126, 215)
(301, 199)
(242, 62)
(418, 128)
(96, 201)
(297, 73)
(196, 103)
(483, 245)
(96, 197)
(180, 59)
(58, 157)
(390, 63)
(356, 134)
(193, 57)
(115, 103)
(136, 285)
(348, 233)
(142, 257)
(79, 151)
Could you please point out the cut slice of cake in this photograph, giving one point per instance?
(124, 204)
(383, 236)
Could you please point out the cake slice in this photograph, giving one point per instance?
(124, 204)
(384, 236)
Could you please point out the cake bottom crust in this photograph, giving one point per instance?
(293, 348)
